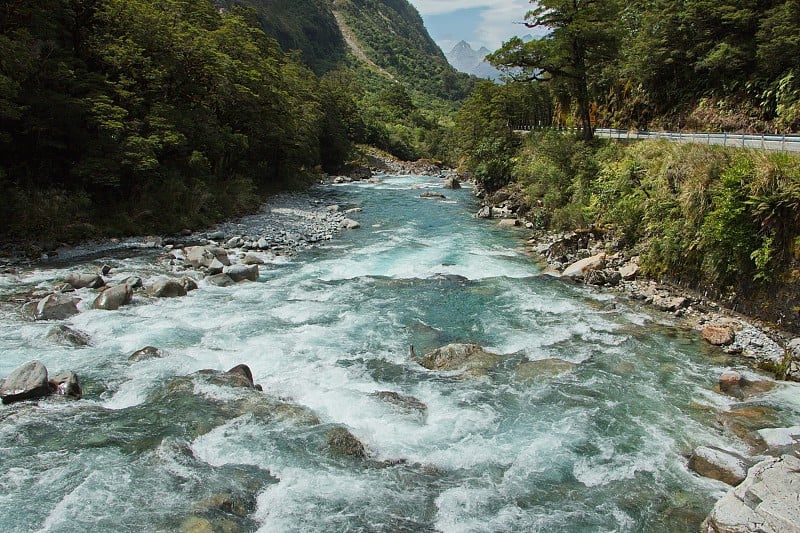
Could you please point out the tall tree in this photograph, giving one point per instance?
(580, 39)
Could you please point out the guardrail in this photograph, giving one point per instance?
(774, 143)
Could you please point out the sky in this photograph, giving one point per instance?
(479, 22)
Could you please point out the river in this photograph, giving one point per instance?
(596, 446)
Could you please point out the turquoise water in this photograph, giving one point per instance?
(151, 448)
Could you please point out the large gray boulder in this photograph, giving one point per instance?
(113, 298)
(220, 280)
(167, 288)
(716, 463)
(242, 272)
(56, 307)
(65, 335)
(766, 501)
(25, 383)
(80, 281)
(204, 256)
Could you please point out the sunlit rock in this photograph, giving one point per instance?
(716, 463)
(204, 256)
(509, 223)
(766, 501)
(349, 223)
(65, 335)
(80, 281)
(468, 357)
(579, 269)
(167, 288)
(242, 272)
(114, 297)
(718, 335)
(56, 307)
(27, 382)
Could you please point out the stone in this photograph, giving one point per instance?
(470, 357)
(220, 280)
(629, 271)
(204, 256)
(242, 272)
(62, 334)
(343, 443)
(580, 268)
(82, 281)
(533, 371)
(433, 195)
(766, 501)
(66, 384)
(262, 244)
(148, 352)
(242, 374)
(105, 270)
(509, 223)
(216, 235)
(133, 282)
(56, 307)
(252, 259)
(113, 298)
(27, 382)
(452, 183)
(234, 242)
(188, 283)
(216, 267)
(484, 212)
(406, 403)
(780, 439)
(730, 380)
(716, 463)
(718, 335)
(793, 348)
(167, 288)
(670, 303)
(349, 223)
(197, 524)
(734, 384)
(603, 277)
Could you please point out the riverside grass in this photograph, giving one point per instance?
(723, 219)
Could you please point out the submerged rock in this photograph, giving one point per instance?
(25, 383)
(531, 371)
(433, 195)
(220, 280)
(113, 298)
(62, 334)
(148, 352)
(766, 501)
(406, 403)
(716, 463)
(734, 384)
(343, 443)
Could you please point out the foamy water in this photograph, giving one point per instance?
(597, 448)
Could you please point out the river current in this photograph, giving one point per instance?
(599, 445)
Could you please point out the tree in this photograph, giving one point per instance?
(580, 40)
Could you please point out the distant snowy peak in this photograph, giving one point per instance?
(466, 59)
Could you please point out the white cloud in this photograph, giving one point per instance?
(501, 22)
(441, 7)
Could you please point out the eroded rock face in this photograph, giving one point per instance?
(766, 501)
(716, 463)
(25, 383)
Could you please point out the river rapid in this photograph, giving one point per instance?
(600, 445)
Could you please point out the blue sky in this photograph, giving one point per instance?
(479, 22)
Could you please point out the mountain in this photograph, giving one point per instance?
(388, 37)
(466, 59)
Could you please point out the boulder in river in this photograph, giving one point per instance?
(242, 272)
(25, 383)
(349, 223)
(113, 298)
(204, 256)
(734, 384)
(718, 335)
(188, 283)
(80, 281)
(66, 384)
(220, 280)
(405, 403)
(470, 357)
(167, 288)
(716, 463)
(484, 212)
(532, 371)
(343, 443)
(765, 501)
(65, 335)
(433, 195)
(452, 183)
(252, 259)
(56, 307)
(148, 352)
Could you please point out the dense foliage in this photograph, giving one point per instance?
(721, 65)
(119, 115)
